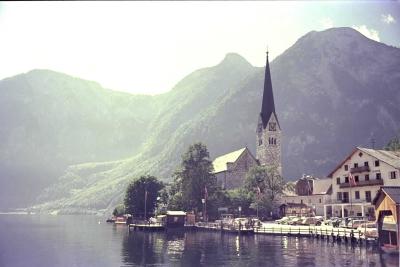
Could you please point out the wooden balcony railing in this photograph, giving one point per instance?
(360, 169)
(363, 183)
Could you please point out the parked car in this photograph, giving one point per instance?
(295, 221)
(369, 230)
(355, 223)
(282, 220)
(311, 221)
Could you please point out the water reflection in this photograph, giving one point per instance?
(216, 249)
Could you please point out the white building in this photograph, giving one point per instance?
(313, 193)
(370, 169)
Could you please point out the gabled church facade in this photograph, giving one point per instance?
(231, 168)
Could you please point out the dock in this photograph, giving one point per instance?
(319, 232)
(146, 226)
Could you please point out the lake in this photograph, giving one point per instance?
(33, 240)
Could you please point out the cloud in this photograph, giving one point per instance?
(370, 33)
(388, 19)
(326, 23)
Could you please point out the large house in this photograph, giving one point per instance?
(357, 179)
(231, 168)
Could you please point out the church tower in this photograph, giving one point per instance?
(268, 128)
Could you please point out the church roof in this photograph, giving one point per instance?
(220, 163)
(268, 106)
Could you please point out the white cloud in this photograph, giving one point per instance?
(326, 23)
(388, 19)
(370, 33)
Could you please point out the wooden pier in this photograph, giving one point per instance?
(146, 226)
(334, 234)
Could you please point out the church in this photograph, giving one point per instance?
(230, 169)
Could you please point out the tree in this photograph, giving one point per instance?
(119, 210)
(194, 179)
(145, 187)
(240, 197)
(394, 144)
(265, 180)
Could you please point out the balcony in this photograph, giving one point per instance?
(363, 183)
(347, 201)
(360, 169)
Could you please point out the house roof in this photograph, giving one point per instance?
(220, 163)
(321, 186)
(176, 213)
(390, 157)
(393, 192)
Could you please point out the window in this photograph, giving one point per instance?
(346, 179)
(272, 126)
(345, 197)
(301, 201)
(356, 178)
(357, 195)
(368, 196)
(338, 180)
(367, 177)
(339, 195)
(320, 201)
(393, 175)
(260, 142)
(355, 165)
(376, 163)
(378, 176)
(309, 201)
(346, 168)
(366, 164)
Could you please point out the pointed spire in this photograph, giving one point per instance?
(268, 106)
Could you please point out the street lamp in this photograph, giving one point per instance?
(240, 211)
(203, 200)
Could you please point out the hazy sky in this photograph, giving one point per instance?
(147, 47)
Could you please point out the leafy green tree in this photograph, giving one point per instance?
(240, 197)
(193, 179)
(393, 144)
(119, 210)
(265, 180)
(135, 195)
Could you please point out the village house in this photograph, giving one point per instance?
(309, 197)
(357, 179)
(387, 205)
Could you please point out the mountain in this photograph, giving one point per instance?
(333, 90)
(51, 120)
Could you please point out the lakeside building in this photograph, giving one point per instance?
(309, 197)
(358, 178)
(387, 205)
(232, 167)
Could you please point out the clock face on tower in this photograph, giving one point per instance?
(272, 126)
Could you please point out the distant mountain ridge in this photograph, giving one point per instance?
(333, 90)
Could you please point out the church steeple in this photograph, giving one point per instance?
(268, 106)
(268, 138)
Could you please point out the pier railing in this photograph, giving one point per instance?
(312, 231)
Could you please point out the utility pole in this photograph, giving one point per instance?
(145, 204)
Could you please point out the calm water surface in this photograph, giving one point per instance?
(30, 240)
